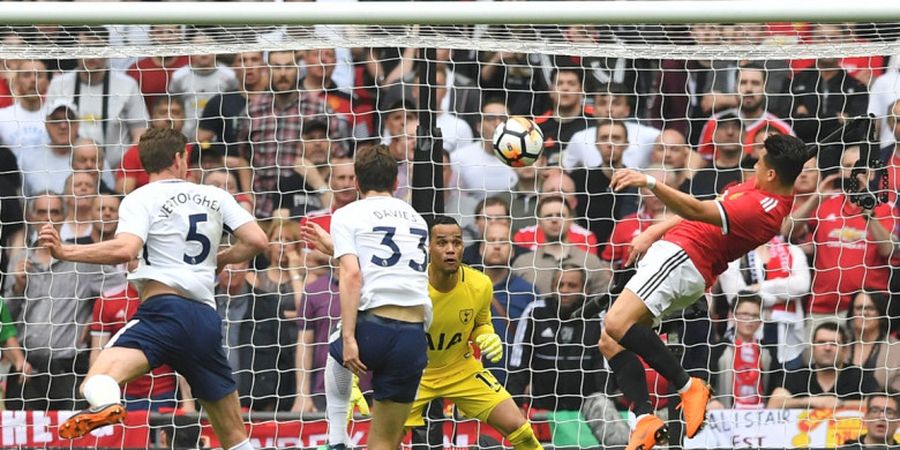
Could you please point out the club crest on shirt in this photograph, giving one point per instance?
(465, 316)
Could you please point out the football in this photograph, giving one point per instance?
(518, 142)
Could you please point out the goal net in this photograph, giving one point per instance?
(275, 113)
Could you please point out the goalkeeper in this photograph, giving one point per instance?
(461, 298)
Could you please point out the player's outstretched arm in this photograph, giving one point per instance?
(680, 203)
(251, 240)
(123, 248)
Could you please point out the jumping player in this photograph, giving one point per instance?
(696, 247)
(381, 244)
(175, 228)
(461, 298)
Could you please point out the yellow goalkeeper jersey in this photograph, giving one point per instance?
(456, 314)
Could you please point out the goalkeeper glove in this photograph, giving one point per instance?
(491, 346)
(357, 400)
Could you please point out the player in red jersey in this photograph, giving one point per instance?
(674, 271)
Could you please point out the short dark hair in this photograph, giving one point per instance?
(491, 201)
(551, 199)
(158, 147)
(568, 267)
(786, 155)
(889, 394)
(441, 219)
(829, 326)
(613, 122)
(756, 65)
(578, 71)
(491, 99)
(376, 169)
(95, 32)
(747, 297)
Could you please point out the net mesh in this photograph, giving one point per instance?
(274, 115)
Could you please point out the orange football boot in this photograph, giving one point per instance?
(693, 406)
(86, 421)
(648, 432)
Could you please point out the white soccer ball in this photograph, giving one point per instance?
(518, 142)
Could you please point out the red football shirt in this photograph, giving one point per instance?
(619, 248)
(846, 260)
(152, 78)
(111, 313)
(750, 218)
(530, 237)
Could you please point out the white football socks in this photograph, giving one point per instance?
(338, 383)
(243, 445)
(102, 390)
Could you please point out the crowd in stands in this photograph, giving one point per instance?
(806, 320)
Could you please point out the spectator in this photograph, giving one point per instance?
(823, 96)
(491, 210)
(47, 207)
(481, 174)
(725, 169)
(22, 127)
(752, 112)
(167, 112)
(742, 364)
(305, 189)
(871, 346)
(518, 78)
(456, 205)
(672, 151)
(52, 301)
(537, 267)
(232, 302)
(651, 211)
(883, 95)
(881, 420)
(890, 154)
(402, 148)
(555, 358)
(9, 342)
(342, 183)
(320, 65)
(226, 181)
(596, 202)
(153, 73)
(523, 197)
(198, 82)
(555, 225)
(828, 382)
(561, 184)
(88, 157)
(225, 111)
(851, 250)
(268, 337)
(567, 114)
(512, 294)
(45, 168)
(109, 103)
(779, 274)
(455, 132)
(614, 102)
(80, 191)
(274, 129)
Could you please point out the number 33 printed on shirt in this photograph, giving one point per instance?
(388, 241)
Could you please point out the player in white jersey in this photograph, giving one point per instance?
(381, 243)
(174, 228)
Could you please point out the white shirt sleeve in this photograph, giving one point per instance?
(135, 110)
(134, 218)
(233, 215)
(342, 236)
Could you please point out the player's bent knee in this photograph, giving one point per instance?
(524, 439)
(608, 346)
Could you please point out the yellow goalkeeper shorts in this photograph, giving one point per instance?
(476, 394)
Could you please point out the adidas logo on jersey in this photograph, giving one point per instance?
(768, 203)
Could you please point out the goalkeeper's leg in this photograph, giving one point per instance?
(508, 419)
(338, 383)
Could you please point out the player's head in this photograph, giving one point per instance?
(376, 170)
(163, 150)
(781, 161)
(445, 244)
(568, 284)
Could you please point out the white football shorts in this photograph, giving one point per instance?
(666, 279)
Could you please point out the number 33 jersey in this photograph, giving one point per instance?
(181, 225)
(391, 241)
